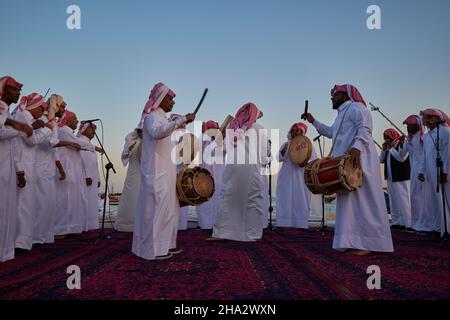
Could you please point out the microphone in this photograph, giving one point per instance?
(317, 138)
(93, 120)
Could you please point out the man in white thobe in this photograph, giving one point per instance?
(362, 223)
(413, 148)
(397, 172)
(9, 129)
(242, 207)
(212, 160)
(70, 204)
(293, 197)
(157, 213)
(45, 166)
(88, 154)
(131, 156)
(30, 109)
(432, 199)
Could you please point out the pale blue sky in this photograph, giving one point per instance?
(273, 53)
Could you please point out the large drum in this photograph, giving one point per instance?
(300, 149)
(332, 175)
(194, 186)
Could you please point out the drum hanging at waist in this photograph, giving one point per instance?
(332, 175)
(194, 186)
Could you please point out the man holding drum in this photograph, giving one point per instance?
(155, 227)
(362, 223)
(293, 197)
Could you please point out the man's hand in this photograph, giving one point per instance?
(421, 177)
(75, 146)
(190, 117)
(386, 146)
(21, 181)
(99, 150)
(88, 181)
(402, 139)
(444, 178)
(286, 146)
(62, 174)
(24, 128)
(49, 125)
(308, 117)
(356, 157)
(38, 124)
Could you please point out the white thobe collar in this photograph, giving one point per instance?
(344, 105)
(161, 111)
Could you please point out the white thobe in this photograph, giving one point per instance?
(266, 203)
(25, 150)
(419, 216)
(398, 191)
(90, 193)
(8, 207)
(293, 196)
(157, 213)
(45, 208)
(130, 193)
(432, 199)
(207, 212)
(70, 203)
(361, 216)
(242, 201)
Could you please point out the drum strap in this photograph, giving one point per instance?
(339, 129)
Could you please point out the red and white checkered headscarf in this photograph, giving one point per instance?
(31, 102)
(8, 81)
(303, 127)
(157, 95)
(84, 126)
(351, 91)
(245, 117)
(209, 125)
(393, 134)
(435, 112)
(414, 119)
(63, 121)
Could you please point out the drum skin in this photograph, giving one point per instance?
(300, 150)
(194, 186)
(332, 175)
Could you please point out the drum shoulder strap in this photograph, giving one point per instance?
(339, 129)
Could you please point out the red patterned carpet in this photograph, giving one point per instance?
(284, 265)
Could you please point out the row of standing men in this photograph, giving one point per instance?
(49, 174)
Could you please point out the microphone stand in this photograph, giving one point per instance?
(108, 166)
(439, 167)
(323, 227)
(270, 226)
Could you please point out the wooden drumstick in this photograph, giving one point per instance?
(306, 109)
(201, 101)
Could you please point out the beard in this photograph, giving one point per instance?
(337, 104)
